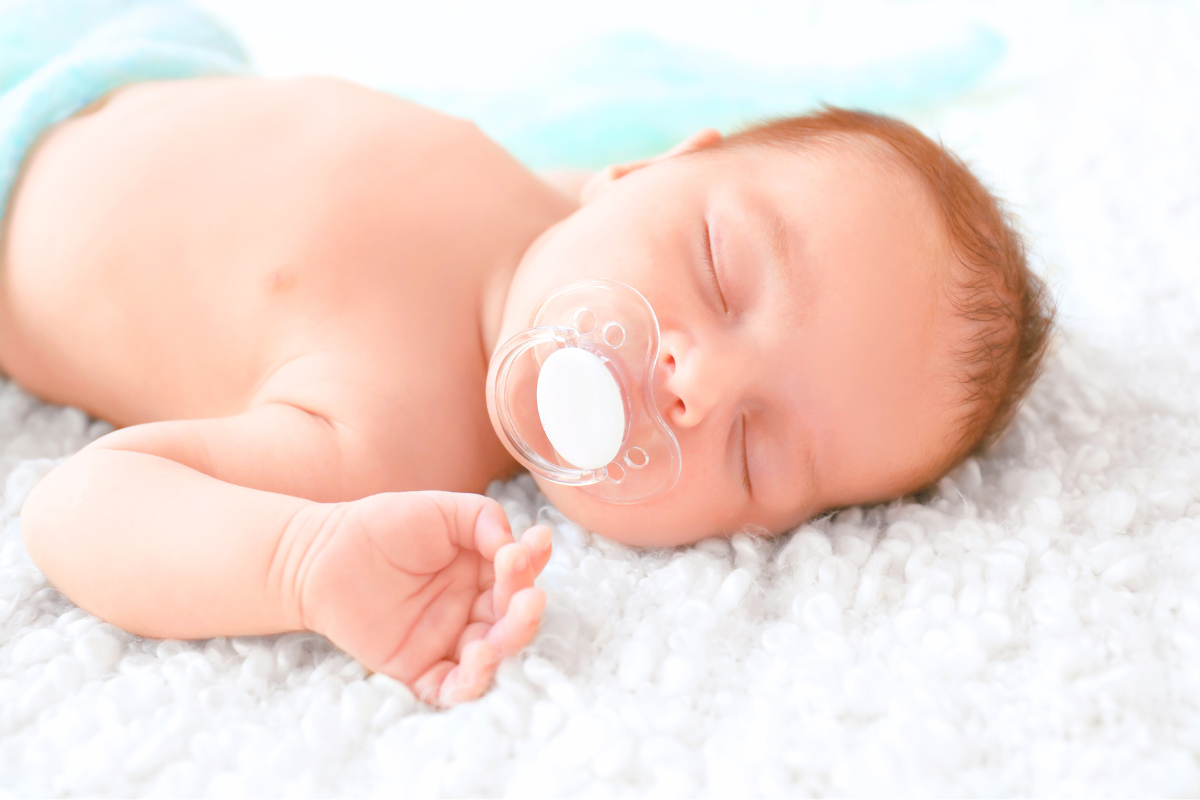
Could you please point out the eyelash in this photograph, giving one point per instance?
(712, 267)
(746, 461)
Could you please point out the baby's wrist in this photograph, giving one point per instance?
(295, 560)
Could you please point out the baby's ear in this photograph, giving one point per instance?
(604, 178)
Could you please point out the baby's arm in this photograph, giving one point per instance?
(156, 528)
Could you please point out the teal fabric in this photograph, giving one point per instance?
(58, 56)
(628, 96)
(614, 99)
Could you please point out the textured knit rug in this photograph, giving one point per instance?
(1031, 629)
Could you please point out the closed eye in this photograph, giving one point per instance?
(745, 461)
(712, 267)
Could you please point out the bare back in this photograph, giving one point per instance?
(192, 249)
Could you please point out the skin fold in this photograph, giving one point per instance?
(285, 295)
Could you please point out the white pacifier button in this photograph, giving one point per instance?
(580, 406)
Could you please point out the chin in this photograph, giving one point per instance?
(654, 523)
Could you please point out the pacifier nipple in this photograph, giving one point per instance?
(580, 406)
(574, 395)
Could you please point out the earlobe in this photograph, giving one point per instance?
(606, 177)
(699, 140)
(602, 179)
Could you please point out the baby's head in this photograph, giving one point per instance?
(845, 312)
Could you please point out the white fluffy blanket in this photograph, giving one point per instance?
(1032, 629)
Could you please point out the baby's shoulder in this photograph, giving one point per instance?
(360, 115)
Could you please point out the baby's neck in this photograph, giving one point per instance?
(493, 296)
(496, 282)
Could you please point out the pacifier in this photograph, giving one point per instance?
(574, 394)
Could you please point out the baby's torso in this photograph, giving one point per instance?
(193, 249)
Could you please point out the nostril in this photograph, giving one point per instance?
(675, 410)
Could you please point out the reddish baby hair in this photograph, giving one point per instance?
(1007, 308)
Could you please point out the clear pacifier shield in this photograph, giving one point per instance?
(574, 394)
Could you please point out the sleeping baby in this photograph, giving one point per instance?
(322, 319)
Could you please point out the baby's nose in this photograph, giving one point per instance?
(692, 380)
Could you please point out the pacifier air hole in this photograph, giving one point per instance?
(614, 334)
(585, 321)
(636, 457)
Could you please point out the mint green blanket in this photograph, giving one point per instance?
(58, 56)
(629, 96)
(616, 98)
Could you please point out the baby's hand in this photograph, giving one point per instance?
(427, 587)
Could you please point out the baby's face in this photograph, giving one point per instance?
(803, 361)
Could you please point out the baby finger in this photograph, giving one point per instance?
(519, 625)
(472, 633)
(482, 610)
(428, 686)
(471, 677)
(537, 541)
(514, 571)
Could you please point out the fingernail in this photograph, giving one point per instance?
(493, 514)
(521, 561)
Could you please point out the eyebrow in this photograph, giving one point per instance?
(781, 248)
